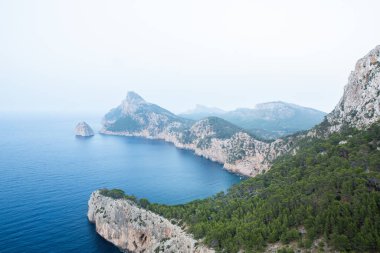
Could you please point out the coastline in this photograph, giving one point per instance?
(241, 167)
(134, 229)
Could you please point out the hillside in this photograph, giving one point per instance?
(329, 193)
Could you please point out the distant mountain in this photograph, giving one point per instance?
(201, 111)
(268, 120)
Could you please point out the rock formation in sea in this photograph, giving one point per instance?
(83, 129)
(133, 229)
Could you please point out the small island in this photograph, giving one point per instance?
(83, 130)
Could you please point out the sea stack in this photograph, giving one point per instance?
(83, 130)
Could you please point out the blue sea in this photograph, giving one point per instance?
(47, 175)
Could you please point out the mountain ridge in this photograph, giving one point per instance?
(268, 120)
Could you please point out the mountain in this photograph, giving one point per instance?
(134, 114)
(268, 120)
(275, 119)
(201, 111)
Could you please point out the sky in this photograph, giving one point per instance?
(84, 55)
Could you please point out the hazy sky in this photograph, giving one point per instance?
(74, 55)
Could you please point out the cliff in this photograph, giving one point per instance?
(360, 105)
(133, 229)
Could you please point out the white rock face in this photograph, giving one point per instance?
(360, 104)
(239, 154)
(83, 129)
(133, 229)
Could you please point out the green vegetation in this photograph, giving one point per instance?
(126, 123)
(329, 190)
(222, 128)
(117, 194)
(332, 190)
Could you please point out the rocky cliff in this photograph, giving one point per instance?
(360, 105)
(133, 229)
(84, 130)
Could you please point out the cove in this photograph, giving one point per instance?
(47, 176)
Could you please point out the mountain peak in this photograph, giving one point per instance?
(132, 102)
(133, 97)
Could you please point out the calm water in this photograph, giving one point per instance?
(47, 175)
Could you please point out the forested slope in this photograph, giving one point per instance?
(330, 189)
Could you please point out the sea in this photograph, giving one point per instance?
(47, 175)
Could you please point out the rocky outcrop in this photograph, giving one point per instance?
(133, 229)
(360, 105)
(83, 129)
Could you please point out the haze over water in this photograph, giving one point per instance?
(47, 176)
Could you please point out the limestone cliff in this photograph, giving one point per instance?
(133, 229)
(360, 105)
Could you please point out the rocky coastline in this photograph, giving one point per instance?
(134, 229)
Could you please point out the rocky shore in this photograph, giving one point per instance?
(133, 229)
